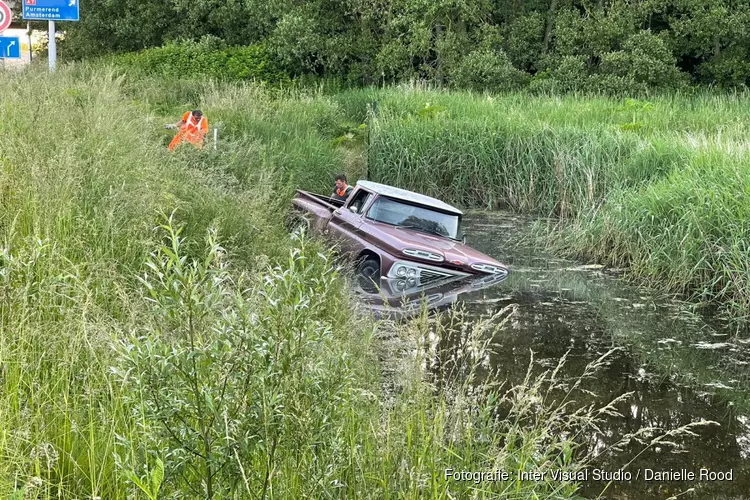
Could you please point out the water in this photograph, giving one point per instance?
(679, 368)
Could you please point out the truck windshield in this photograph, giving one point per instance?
(420, 218)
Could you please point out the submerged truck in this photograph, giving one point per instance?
(407, 239)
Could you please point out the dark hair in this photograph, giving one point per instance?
(197, 112)
(341, 177)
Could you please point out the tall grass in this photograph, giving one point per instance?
(83, 185)
(282, 134)
(137, 361)
(688, 232)
(543, 155)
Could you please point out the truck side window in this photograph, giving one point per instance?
(359, 202)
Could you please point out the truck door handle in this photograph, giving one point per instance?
(337, 212)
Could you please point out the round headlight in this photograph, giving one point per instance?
(401, 285)
(411, 281)
(412, 272)
(401, 271)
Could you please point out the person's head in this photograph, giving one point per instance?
(340, 181)
(197, 114)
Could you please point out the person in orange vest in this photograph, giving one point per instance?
(192, 128)
(342, 190)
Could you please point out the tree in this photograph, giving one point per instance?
(713, 39)
(365, 41)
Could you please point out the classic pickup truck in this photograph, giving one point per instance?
(407, 239)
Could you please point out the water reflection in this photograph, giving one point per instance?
(388, 301)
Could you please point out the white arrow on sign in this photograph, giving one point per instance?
(72, 3)
(11, 44)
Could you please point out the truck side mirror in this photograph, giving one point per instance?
(353, 210)
(463, 238)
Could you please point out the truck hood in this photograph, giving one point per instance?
(454, 253)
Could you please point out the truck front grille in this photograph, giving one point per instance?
(427, 276)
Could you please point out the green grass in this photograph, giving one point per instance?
(83, 185)
(688, 232)
(138, 360)
(544, 155)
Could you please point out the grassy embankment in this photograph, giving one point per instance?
(161, 336)
(660, 187)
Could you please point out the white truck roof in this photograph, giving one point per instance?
(409, 196)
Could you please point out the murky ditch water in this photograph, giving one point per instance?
(679, 368)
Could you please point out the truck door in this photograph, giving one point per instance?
(345, 222)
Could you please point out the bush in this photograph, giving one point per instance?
(524, 40)
(616, 85)
(236, 366)
(729, 69)
(488, 70)
(643, 64)
(644, 61)
(208, 58)
(568, 74)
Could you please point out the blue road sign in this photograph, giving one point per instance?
(50, 10)
(10, 47)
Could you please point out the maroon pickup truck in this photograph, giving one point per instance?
(408, 239)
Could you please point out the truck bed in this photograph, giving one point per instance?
(318, 208)
(319, 198)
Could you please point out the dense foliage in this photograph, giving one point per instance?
(208, 58)
(607, 45)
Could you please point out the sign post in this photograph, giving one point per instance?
(51, 10)
(52, 46)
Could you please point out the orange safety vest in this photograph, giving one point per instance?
(342, 192)
(193, 131)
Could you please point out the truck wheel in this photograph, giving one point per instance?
(368, 273)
